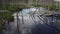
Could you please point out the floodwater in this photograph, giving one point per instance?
(31, 24)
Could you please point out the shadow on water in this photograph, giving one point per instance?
(38, 28)
(43, 29)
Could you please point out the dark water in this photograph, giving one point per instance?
(44, 29)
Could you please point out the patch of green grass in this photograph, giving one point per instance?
(52, 7)
(10, 10)
(13, 8)
(58, 23)
(1, 24)
(7, 15)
